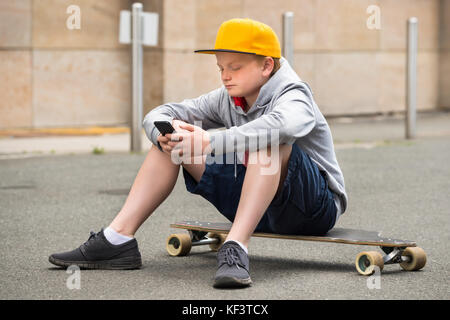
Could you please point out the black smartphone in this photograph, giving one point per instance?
(164, 127)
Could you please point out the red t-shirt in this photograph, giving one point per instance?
(241, 102)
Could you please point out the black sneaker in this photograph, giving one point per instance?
(233, 267)
(98, 253)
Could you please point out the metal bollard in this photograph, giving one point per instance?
(137, 67)
(288, 37)
(411, 77)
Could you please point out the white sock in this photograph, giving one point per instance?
(114, 237)
(240, 244)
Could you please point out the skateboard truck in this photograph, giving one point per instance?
(180, 244)
(394, 255)
(199, 238)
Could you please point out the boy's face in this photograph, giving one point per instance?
(242, 74)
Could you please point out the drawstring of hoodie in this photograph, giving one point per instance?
(235, 175)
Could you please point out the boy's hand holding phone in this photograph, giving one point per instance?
(165, 137)
(194, 141)
(183, 139)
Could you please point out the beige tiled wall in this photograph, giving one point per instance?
(99, 24)
(444, 56)
(15, 89)
(15, 64)
(346, 82)
(80, 87)
(152, 79)
(444, 79)
(53, 76)
(341, 26)
(391, 82)
(179, 24)
(15, 23)
(395, 13)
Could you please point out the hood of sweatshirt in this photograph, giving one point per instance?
(284, 80)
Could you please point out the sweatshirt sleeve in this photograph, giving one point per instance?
(199, 110)
(292, 117)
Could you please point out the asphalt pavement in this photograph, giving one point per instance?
(49, 201)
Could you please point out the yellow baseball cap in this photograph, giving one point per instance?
(246, 36)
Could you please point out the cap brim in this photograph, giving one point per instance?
(212, 51)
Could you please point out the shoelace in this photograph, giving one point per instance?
(231, 257)
(92, 235)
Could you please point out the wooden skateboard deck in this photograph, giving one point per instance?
(339, 235)
(405, 252)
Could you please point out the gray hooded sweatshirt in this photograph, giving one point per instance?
(284, 112)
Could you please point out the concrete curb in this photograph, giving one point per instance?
(39, 132)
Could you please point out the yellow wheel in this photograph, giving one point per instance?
(216, 246)
(178, 244)
(417, 256)
(367, 261)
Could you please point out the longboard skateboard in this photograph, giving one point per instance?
(404, 252)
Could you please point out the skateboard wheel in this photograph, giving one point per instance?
(417, 256)
(367, 261)
(178, 244)
(216, 246)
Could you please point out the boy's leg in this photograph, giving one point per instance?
(258, 190)
(153, 184)
(259, 187)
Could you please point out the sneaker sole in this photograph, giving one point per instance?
(231, 282)
(126, 263)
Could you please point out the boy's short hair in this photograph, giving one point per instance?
(276, 66)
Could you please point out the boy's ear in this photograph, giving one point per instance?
(268, 64)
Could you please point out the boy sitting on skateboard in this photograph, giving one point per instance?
(273, 169)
